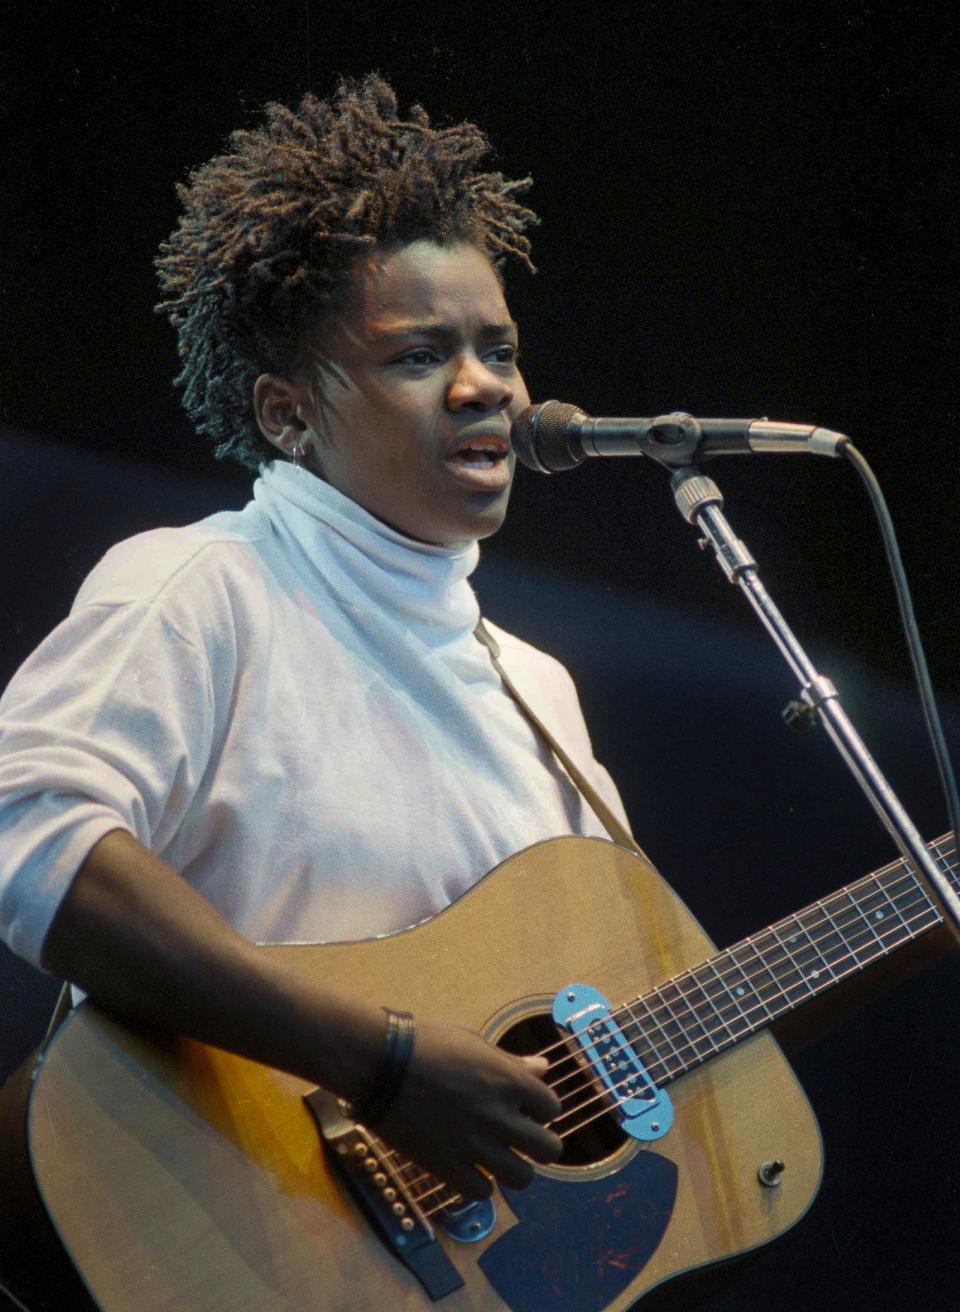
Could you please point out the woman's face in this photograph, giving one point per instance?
(420, 387)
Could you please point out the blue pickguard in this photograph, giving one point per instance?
(579, 1243)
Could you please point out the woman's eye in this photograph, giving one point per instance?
(505, 354)
(418, 358)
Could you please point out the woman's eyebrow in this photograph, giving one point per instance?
(442, 330)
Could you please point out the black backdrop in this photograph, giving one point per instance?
(747, 209)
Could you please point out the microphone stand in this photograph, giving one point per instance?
(699, 501)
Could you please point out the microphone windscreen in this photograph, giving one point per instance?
(545, 437)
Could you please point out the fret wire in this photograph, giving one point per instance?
(859, 904)
(896, 900)
(641, 1042)
(732, 996)
(728, 955)
(727, 1037)
(844, 935)
(870, 917)
(708, 988)
(906, 885)
(847, 971)
(879, 933)
(694, 1004)
(848, 925)
(659, 994)
(747, 980)
(943, 862)
(752, 944)
(896, 869)
(785, 946)
(910, 889)
(646, 1039)
(952, 872)
(913, 932)
(685, 1062)
(802, 918)
(602, 1112)
(666, 1034)
(919, 923)
(871, 914)
(852, 930)
(676, 983)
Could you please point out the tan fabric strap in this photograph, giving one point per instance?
(606, 817)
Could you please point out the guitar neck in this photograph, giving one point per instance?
(704, 1011)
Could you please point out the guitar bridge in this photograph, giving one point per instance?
(361, 1162)
(643, 1110)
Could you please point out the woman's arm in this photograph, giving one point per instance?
(140, 941)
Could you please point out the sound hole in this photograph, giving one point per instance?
(600, 1136)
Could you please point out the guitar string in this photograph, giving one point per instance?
(853, 914)
(609, 1103)
(671, 1019)
(664, 1066)
(606, 1100)
(609, 1100)
(904, 895)
(746, 1015)
(909, 884)
(752, 1015)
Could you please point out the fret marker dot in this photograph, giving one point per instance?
(878, 915)
(740, 990)
(814, 974)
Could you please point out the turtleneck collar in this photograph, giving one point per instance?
(424, 586)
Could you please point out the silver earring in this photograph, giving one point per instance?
(299, 453)
(299, 448)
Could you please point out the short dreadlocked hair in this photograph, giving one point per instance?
(273, 228)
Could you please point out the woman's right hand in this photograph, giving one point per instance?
(467, 1111)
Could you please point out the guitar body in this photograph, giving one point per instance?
(182, 1178)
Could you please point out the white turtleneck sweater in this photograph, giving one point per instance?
(289, 706)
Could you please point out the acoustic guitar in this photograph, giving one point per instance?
(183, 1178)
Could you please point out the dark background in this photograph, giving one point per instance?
(747, 210)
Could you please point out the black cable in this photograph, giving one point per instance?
(912, 634)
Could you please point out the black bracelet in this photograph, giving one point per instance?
(373, 1106)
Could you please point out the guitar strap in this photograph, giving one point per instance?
(606, 817)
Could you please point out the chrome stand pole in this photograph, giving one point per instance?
(699, 501)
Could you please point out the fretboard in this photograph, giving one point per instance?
(704, 1011)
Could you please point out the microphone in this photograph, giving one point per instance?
(554, 436)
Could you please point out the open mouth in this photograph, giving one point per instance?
(480, 452)
(481, 462)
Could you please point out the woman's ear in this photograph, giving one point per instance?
(278, 404)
